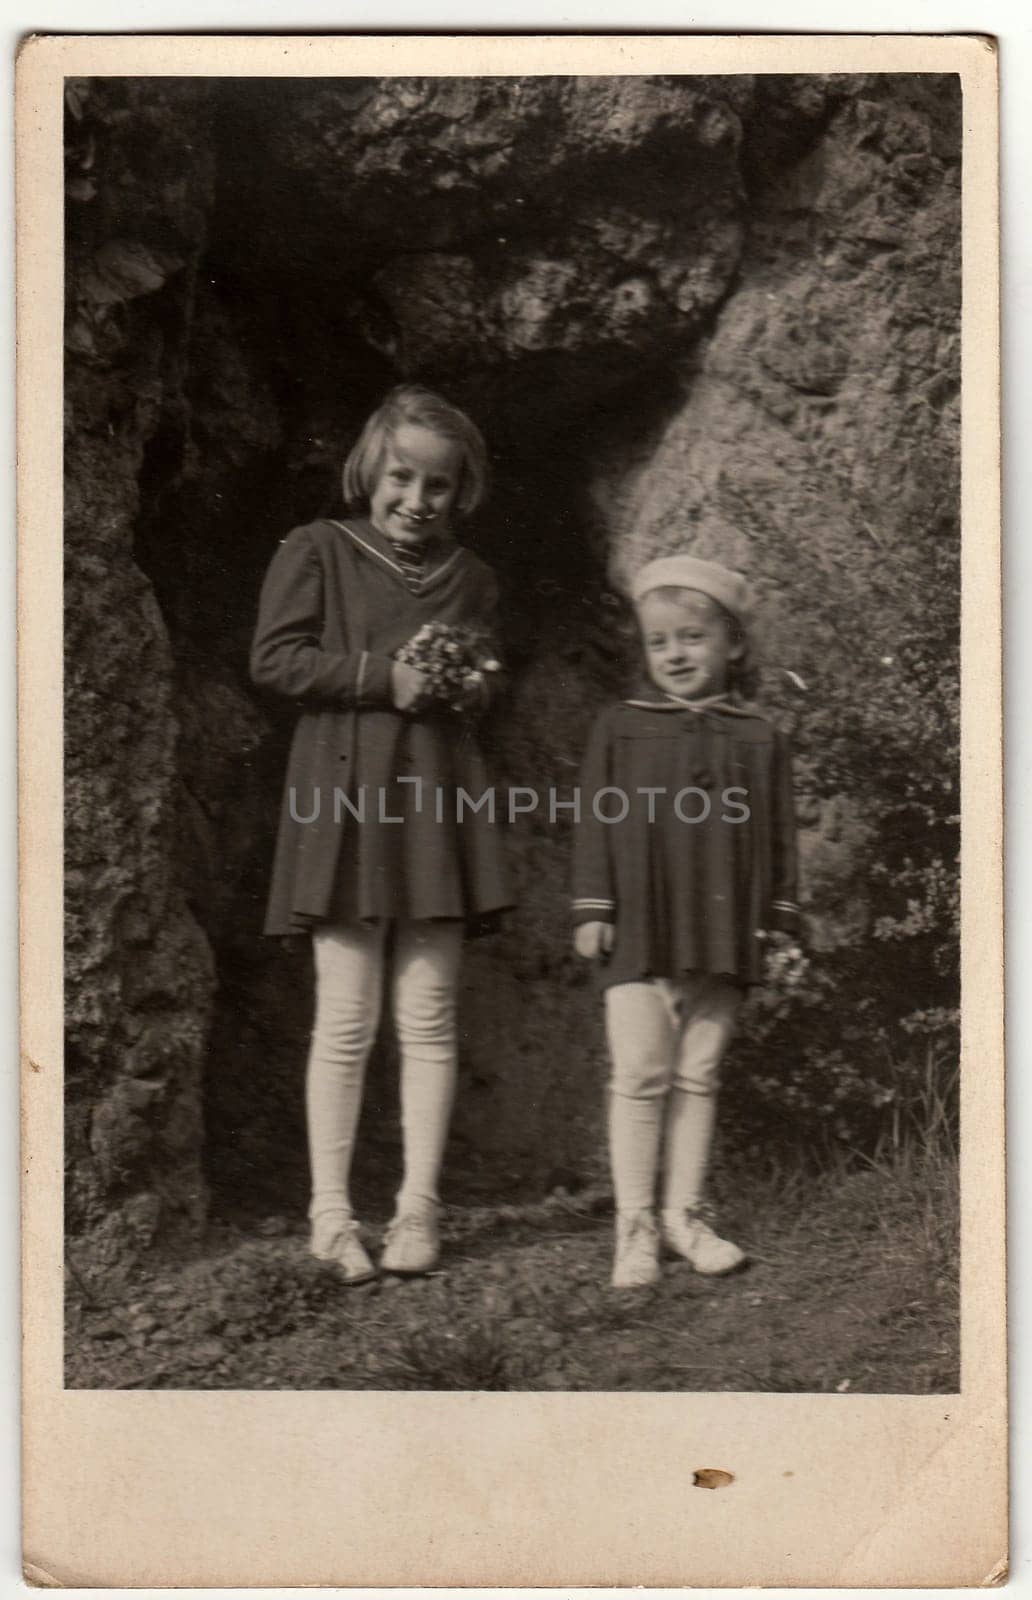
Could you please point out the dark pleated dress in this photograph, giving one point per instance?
(335, 608)
(685, 895)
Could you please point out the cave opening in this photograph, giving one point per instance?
(289, 347)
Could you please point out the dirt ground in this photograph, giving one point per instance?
(851, 1287)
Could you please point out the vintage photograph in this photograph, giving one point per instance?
(510, 811)
(511, 744)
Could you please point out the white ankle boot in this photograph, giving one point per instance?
(337, 1238)
(686, 1234)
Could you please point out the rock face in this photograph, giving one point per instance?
(719, 313)
(139, 971)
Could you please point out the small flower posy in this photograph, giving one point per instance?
(785, 963)
(455, 660)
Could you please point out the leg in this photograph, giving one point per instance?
(708, 1008)
(641, 1029)
(426, 972)
(348, 969)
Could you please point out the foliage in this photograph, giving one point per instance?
(858, 1045)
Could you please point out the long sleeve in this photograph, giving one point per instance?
(287, 653)
(492, 684)
(785, 914)
(594, 896)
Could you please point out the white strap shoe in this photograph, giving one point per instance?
(412, 1244)
(338, 1239)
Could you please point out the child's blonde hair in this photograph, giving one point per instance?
(411, 403)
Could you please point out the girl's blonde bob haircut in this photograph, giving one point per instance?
(411, 403)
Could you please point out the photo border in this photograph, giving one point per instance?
(517, 1489)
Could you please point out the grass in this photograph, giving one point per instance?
(475, 1357)
(852, 1287)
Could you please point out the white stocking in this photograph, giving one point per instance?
(349, 972)
(426, 970)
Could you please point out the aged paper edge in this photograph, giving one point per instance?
(470, 1490)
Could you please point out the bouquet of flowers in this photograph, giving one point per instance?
(457, 661)
(785, 963)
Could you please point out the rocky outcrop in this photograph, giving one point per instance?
(719, 312)
(139, 972)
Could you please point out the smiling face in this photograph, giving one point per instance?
(417, 484)
(688, 645)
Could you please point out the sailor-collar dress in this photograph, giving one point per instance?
(685, 895)
(335, 608)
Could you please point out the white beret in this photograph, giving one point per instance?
(729, 589)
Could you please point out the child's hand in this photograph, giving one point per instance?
(592, 940)
(473, 694)
(409, 688)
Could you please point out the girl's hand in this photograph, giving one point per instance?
(473, 694)
(409, 688)
(592, 940)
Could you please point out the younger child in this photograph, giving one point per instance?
(372, 859)
(684, 870)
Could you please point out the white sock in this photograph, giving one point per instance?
(634, 1130)
(426, 969)
(689, 1138)
(348, 966)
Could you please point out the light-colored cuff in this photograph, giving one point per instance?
(592, 910)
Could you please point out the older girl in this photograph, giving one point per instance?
(684, 873)
(372, 859)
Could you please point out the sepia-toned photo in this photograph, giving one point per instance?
(712, 321)
(511, 763)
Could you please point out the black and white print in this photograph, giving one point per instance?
(707, 314)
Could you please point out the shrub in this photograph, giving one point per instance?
(850, 1053)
